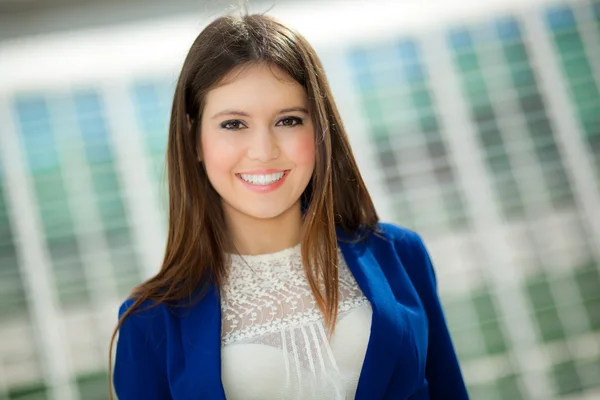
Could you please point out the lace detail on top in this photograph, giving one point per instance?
(274, 342)
(269, 293)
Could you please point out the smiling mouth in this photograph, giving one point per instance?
(262, 179)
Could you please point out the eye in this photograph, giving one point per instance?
(233, 125)
(289, 121)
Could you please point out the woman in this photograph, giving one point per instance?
(278, 281)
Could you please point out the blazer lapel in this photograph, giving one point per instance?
(382, 350)
(201, 340)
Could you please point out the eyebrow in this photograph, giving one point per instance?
(243, 114)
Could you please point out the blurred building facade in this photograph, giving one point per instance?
(480, 130)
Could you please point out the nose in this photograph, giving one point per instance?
(263, 145)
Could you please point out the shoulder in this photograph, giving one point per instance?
(403, 241)
(397, 234)
(396, 245)
(149, 320)
(146, 310)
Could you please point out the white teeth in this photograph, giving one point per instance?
(262, 179)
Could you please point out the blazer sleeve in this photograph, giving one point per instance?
(442, 369)
(138, 372)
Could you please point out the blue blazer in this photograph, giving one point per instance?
(166, 354)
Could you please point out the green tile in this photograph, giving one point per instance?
(421, 98)
(483, 112)
(574, 307)
(577, 68)
(589, 112)
(500, 163)
(62, 247)
(394, 182)
(587, 279)
(539, 292)
(509, 389)
(74, 296)
(585, 92)
(118, 237)
(544, 309)
(429, 124)
(546, 150)
(515, 52)
(566, 378)
(467, 61)
(454, 202)
(487, 391)
(50, 188)
(105, 179)
(589, 370)
(7, 249)
(387, 157)
(539, 126)
(34, 391)
(522, 77)
(592, 127)
(476, 90)
(93, 386)
(488, 319)
(531, 102)
(512, 208)
(493, 337)
(592, 309)
(372, 110)
(508, 191)
(558, 186)
(549, 324)
(56, 219)
(568, 42)
(491, 139)
(484, 306)
(111, 209)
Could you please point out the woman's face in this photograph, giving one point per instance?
(258, 142)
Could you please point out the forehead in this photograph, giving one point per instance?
(256, 87)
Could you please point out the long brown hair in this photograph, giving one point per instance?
(336, 196)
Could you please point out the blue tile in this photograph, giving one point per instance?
(596, 10)
(413, 72)
(33, 123)
(460, 39)
(359, 59)
(507, 28)
(92, 126)
(408, 50)
(31, 107)
(559, 18)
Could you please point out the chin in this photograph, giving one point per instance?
(264, 214)
(261, 210)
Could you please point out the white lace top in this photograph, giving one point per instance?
(274, 342)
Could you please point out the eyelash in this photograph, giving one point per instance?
(296, 121)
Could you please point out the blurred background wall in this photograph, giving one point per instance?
(475, 123)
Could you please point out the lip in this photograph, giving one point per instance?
(263, 188)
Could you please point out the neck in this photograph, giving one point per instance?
(251, 236)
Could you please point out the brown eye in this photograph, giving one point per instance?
(232, 125)
(290, 121)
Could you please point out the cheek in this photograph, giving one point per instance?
(302, 150)
(218, 156)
